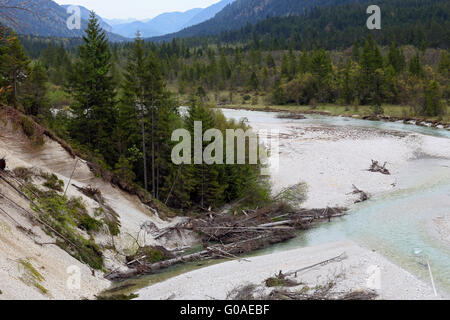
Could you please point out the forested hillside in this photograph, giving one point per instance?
(420, 23)
(242, 12)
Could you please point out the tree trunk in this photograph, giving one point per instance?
(153, 153)
(144, 151)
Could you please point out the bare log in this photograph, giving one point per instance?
(147, 268)
(376, 167)
(339, 258)
(363, 196)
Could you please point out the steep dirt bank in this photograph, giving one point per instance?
(32, 271)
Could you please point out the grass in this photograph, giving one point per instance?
(118, 297)
(52, 182)
(68, 217)
(32, 276)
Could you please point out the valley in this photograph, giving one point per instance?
(224, 150)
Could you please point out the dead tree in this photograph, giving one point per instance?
(376, 167)
(363, 196)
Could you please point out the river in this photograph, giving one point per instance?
(399, 224)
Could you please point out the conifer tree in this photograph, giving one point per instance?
(14, 67)
(93, 91)
(133, 107)
(396, 58)
(35, 99)
(415, 67)
(433, 106)
(371, 73)
(209, 186)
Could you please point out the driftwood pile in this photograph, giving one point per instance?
(227, 236)
(376, 167)
(285, 286)
(363, 196)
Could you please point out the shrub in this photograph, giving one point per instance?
(63, 216)
(27, 126)
(23, 173)
(53, 182)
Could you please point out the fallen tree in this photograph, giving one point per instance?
(363, 196)
(286, 286)
(227, 235)
(376, 167)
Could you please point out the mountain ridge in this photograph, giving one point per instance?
(243, 12)
(169, 22)
(44, 18)
(85, 14)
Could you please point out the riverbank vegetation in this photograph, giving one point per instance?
(126, 119)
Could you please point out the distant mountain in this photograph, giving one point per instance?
(173, 21)
(129, 30)
(243, 12)
(86, 13)
(115, 22)
(162, 24)
(207, 13)
(169, 22)
(43, 18)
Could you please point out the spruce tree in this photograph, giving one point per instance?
(415, 67)
(433, 106)
(35, 99)
(208, 186)
(93, 90)
(14, 67)
(371, 72)
(396, 58)
(133, 109)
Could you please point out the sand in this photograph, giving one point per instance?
(330, 160)
(356, 271)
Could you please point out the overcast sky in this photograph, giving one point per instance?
(139, 9)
